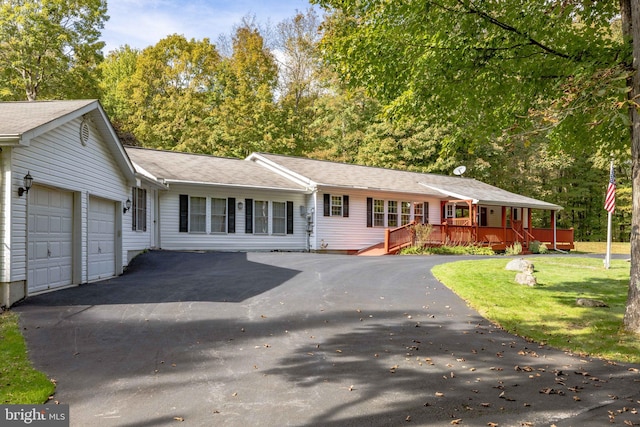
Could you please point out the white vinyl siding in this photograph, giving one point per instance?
(352, 233)
(172, 239)
(57, 159)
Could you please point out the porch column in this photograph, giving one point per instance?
(529, 227)
(504, 224)
(553, 227)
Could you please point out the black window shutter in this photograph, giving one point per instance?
(369, 211)
(426, 213)
(144, 210)
(327, 205)
(248, 216)
(231, 215)
(289, 217)
(134, 216)
(345, 206)
(184, 213)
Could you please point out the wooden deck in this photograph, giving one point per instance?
(497, 238)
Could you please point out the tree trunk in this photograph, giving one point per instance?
(630, 13)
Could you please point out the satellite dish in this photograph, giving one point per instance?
(459, 170)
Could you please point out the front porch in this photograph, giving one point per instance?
(472, 229)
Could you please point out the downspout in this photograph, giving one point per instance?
(555, 240)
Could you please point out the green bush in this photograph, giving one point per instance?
(448, 250)
(515, 249)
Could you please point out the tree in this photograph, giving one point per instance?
(246, 114)
(50, 48)
(496, 71)
(168, 101)
(299, 87)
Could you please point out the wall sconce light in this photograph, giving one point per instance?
(27, 181)
(127, 206)
(240, 206)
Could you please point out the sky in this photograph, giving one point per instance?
(142, 23)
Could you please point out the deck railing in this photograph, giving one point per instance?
(495, 237)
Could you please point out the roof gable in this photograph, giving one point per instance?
(23, 121)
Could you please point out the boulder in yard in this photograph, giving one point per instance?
(589, 302)
(526, 278)
(520, 264)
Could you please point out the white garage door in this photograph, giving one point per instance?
(50, 239)
(102, 237)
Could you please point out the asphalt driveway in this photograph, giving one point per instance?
(277, 339)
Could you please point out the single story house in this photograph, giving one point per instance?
(77, 206)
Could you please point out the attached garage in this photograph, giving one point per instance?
(50, 237)
(102, 239)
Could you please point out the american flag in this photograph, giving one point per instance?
(610, 197)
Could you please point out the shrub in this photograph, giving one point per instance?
(422, 234)
(515, 249)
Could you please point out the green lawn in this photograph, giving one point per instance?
(548, 312)
(622, 248)
(19, 382)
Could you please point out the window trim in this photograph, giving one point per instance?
(200, 215)
(224, 216)
(139, 209)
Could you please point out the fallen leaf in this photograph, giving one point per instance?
(490, 424)
(408, 419)
(456, 421)
(178, 419)
(439, 394)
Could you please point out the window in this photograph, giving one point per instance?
(198, 214)
(278, 218)
(378, 213)
(392, 213)
(418, 213)
(451, 213)
(218, 215)
(405, 213)
(139, 209)
(261, 217)
(336, 205)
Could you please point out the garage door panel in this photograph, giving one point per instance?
(50, 239)
(101, 244)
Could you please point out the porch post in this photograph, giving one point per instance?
(553, 227)
(504, 224)
(529, 227)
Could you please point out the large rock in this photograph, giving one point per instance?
(588, 302)
(526, 278)
(520, 264)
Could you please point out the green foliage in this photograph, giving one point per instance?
(21, 384)
(447, 250)
(514, 249)
(548, 313)
(538, 248)
(50, 48)
(422, 234)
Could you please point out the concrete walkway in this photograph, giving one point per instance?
(294, 339)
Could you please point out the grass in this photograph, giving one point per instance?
(621, 248)
(20, 383)
(548, 313)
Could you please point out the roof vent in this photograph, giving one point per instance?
(84, 132)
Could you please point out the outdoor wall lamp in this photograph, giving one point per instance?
(127, 206)
(27, 181)
(240, 206)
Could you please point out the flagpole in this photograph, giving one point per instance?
(609, 206)
(607, 258)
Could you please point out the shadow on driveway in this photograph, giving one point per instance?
(309, 340)
(165, 276)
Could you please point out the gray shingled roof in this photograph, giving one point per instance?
(174, 166)
(17, 118)
(330, 174)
